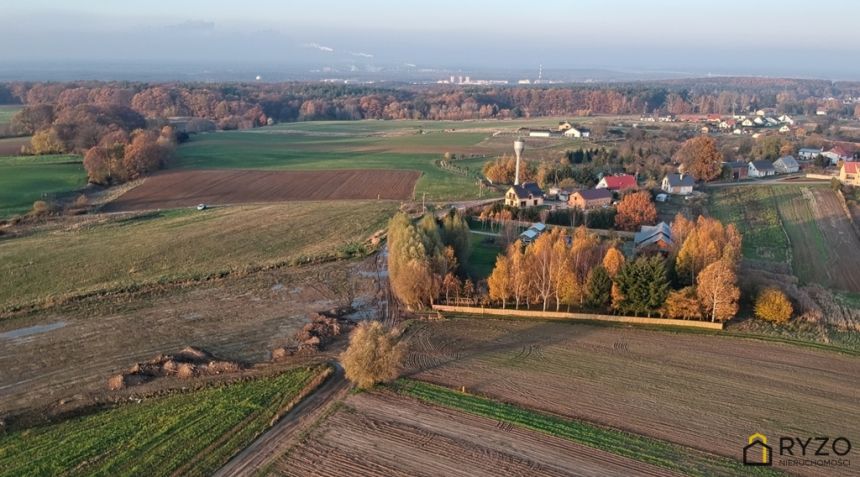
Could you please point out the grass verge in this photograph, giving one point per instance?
(644, 449)
(192, 433)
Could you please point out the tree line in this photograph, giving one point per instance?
(697, 280)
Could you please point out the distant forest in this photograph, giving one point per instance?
(246, 105)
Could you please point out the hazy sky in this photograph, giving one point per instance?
(790, 37)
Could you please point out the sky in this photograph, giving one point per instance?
(787, 38)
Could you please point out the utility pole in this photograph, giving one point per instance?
(423, 203)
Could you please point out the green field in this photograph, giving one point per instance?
(273, 148)
(119, 254)
(684, 460)
(483, 257)
(754, 211)
(7, 111)
(24, 180)
(183, 434)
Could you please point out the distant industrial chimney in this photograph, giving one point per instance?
(519, 145)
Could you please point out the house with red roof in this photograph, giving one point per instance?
(850, 173)
(617, 183)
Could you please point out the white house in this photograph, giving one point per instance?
(786, 119)
(577, 132)
(786, 165)
(747, 122)
(759, 121)
(808, 153)
(785, 129)
(681, 184)
(761, 169)
(837, 154)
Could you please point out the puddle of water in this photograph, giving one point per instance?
(32, 330)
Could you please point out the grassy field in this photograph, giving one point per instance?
(187, 434)
(644, 449)
(180, 245)
(7, 111)
(271, 148)
(24, 180)
(753, 209)
(414, 145)
(483, 257)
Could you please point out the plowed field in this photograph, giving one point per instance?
(224, 187)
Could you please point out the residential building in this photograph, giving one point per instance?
(786, 119)
(616, 183)
(679, 183)
(564, 126)
(808, 153)
(786, 165)
(577, 132)
(836, 154)
(739, 169)
(653, 239)
(590, 199)
(761, 169)
(528, 194)
(850, 173)
(540, 133)
(785, 129)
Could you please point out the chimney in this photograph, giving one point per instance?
(519, 146)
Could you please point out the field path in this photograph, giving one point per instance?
(274, 442)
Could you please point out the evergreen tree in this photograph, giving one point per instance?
(599, 286)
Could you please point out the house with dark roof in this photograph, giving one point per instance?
(619, 182)
(679, 183)
(761, 168)
(737, 169)
(786, 165)
(590, 199)
(653, 239)
(527, 194)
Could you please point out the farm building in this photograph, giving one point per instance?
(808, 154)
(533, 232)
(619, 182)
(590, 198)
(577, 132)
(564, 125)
(679, 183)
(786, 165)
(653, 239)
(526, 195)
(785, 129)
(836, 154)
(737, 169)
(786, 119)
(541, 133)
(761, 168)
(850, 173)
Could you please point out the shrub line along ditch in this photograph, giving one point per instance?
(641, 448)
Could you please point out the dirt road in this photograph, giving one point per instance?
(274, 442)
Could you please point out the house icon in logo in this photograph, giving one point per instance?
(757, 452)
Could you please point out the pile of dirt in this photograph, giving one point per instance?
(188, 363)
(315, 335)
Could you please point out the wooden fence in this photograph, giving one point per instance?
(554, 315)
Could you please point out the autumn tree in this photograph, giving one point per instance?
(373, 356)
(543, 265)
(613, 260)
(700, 157)
(97, 164)
(709, 241)
(683, 304)
(500, 281)
(46, 142)
(451, 284)
(144, 154)
(410, 273)
(717, 291)
(635, 210)
(33, 118)
(773, 305)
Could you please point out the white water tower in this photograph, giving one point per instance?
(519, 146)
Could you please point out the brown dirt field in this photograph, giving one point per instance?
(701, 391)
(238, 319)
(843, 268)
(174, 189)
(12, 146)
(383, 434)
